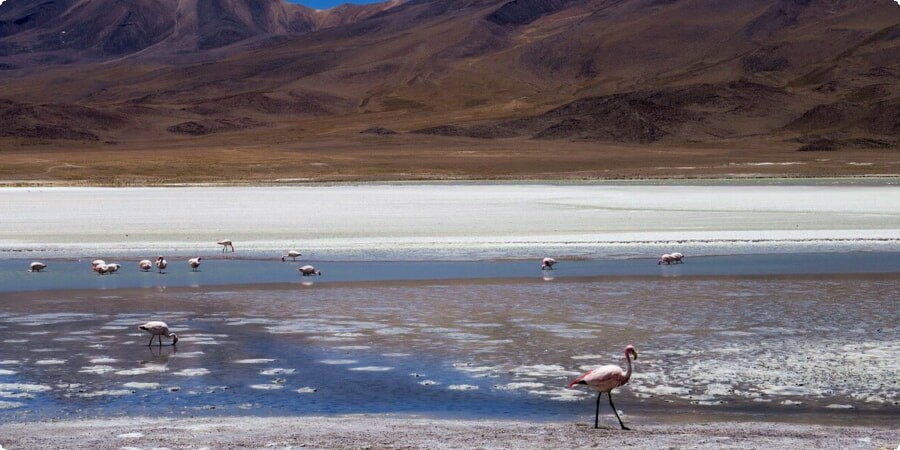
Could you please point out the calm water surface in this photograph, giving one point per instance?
(817, 347)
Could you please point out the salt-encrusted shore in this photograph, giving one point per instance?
(377, 431)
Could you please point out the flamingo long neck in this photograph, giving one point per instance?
(627, 366)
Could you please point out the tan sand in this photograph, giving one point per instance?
(377, 431)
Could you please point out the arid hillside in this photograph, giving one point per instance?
(132, 92)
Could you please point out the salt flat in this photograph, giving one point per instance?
(406, 221)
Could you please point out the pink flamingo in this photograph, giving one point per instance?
(605, 379)
(677, 257)
(37, 267)
(194, 263)
(145, 265)
(309, 270)
(158, 329)
(161, 263)
(225, 244)
(547, 263)
(667, 258)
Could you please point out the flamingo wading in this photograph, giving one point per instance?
(161, 263)
(37, 267)
(605, 379)
(547, 263)
(225, 244)
(309, 270)
(293, 254)
(158, 329)
(145, 265)
(194, 263)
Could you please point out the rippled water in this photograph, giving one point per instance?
(823, 345)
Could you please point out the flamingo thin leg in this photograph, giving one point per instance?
(151, 340)
(616, 412)
(597, 411)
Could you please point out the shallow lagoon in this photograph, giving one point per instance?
(432, 301)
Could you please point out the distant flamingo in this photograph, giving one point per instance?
(547, 263)
(145, 265)
(605, 379)
(161, 263)
(291, 254)
(37, 267)
(97, 262)
(667, 258)
(225, 244)
(101, 269)
(158, 329)
(677, 257)
(194, 263)
(309, 270)
(113, 267)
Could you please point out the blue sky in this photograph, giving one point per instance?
(325, 4)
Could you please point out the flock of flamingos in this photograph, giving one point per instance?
(602, 379)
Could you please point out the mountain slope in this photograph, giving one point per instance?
(626, 71)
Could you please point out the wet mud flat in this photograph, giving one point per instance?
(734, 348)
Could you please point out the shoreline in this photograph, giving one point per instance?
(700, 180)
(384, 431)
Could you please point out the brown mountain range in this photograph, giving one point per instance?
(450, 88)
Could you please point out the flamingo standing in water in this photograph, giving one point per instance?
(291, 254)
(194, 263)
(677, 257)
(101, 269)
(145, 265)
(37, 267)
(113, 267)
(547, 263)
(225, 244)
(309, 270)
(161, 263)
(158, 329)
(605, 379)
(667, 258)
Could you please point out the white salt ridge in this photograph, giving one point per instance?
(371, 369)
(7, 372)
(133, 435)
(7, 394)
(192, 372)
(254, 361)
(48, 362)
(106, 393)
(353, 347)
(306, 390)
(149, 368)
(462, 387)
(544, 370)
(15, 341)
(187, 354)
(98, 369)
(103, 360)
(518, 385)
(338, 361)
(10, 362)
(266, 387)
(839, 406)
(429, 382)
(10, 405)
(277, 371)
(138, 385)
(560, 395)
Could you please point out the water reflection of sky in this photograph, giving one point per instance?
(472, 348)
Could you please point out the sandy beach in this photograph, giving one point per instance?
(376, 431)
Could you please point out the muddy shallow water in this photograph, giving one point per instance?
(808, 347)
